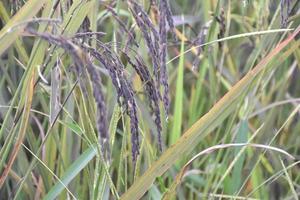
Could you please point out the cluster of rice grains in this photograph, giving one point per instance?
(83, 54)
(80, 59)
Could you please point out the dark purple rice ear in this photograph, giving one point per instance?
(88, 34)
(164, 11)
(150, 36)
(169, 16)
(101, 122)
(124, 90)
(80, 60)
(151, 92)
(221, 21)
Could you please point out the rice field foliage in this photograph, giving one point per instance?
(149, 99)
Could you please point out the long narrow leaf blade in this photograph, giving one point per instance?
(71, 173)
